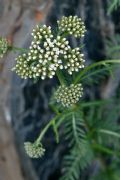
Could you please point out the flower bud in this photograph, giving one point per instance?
(34, 150)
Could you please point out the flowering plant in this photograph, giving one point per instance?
(51, 55)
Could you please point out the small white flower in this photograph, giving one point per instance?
(61, 66)
(45, 44)
(52, 66)
(46, 55)
(42, 77)
(50, 58)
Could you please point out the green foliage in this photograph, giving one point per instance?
(104, 129)
(105, 63)
(78, 159)
(97, 74)
(81, 153)
(90, 135)
(106, 175)
(113, 47)
(74, 129)
(113, 5)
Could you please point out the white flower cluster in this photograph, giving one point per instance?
(44, 56)
(72, 25)
(42, 32)
(74, 60)
(34, 150)
(3, 46)
(47, 54)
(22, 67)
(69, 96)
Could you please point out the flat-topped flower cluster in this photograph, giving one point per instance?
(3, 46)
(34, 150)
(72, 25)
(69, 95)
(48, 53)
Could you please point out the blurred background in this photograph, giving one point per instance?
(24, 104)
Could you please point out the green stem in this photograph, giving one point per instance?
(105, 150)
(52, 123)
(56, 131)
(46, 128)
(93, 103)
(12, 48)
(111, 133)
(62, 119)
(60, 77)
(53, 108)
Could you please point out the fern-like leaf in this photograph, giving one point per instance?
(74, 129)
(78, 159)
(81, 153)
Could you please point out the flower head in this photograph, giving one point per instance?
(34, 150)
(47, 53)
(69, 96)
(74, 60)
(23, 67)
(41, 32)
(3, 46)
(72, 25)
(43, 59)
